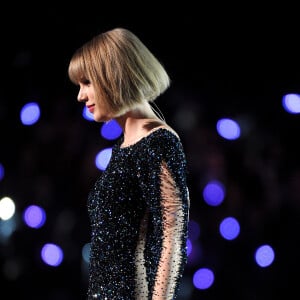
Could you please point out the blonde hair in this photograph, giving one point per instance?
(122, 69)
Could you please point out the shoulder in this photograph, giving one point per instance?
(163, 133)
(163, 140)
(162, 146)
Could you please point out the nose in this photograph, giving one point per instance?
(81, 95)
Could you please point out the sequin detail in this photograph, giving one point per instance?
(139, 210)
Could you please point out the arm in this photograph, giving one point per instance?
(163, 182)
(173, 253)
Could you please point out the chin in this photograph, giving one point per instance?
(101, 119)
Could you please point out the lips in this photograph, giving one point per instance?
(91, 108)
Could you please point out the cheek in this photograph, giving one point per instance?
(101, 103)
(91, 95)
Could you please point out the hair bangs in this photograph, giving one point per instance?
(77, 68)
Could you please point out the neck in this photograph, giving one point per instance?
(134, 122)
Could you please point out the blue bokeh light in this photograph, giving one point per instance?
(103, 158)
(111, 130)
(214, 193)
(87, 115)
(52, 254)
(203, 278)
(189, 246)
(30, 113)
(264, 256)
(229, 228)
(291, 103)
(228, 129)
(2, 172)
(34, 216)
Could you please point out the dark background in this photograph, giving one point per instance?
(224, 60)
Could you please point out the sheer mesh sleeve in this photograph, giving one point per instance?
(162, 179)
(173, 230)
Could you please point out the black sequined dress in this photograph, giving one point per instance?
(139, 209)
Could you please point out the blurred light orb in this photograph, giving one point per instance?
(7, 208)
(189, 246)
(228, 129)
(214, 193)
(103, 158)
(111, 130)
(52, 254)
(229, 228)
(34, 216)
(7, 228)
(203, 278)
(291, 103)
(86, 249)
(87, 115)
(1, 172)
(264, 255)
(30, 113)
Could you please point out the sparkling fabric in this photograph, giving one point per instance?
(139, 210)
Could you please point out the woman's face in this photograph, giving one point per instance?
(95, 106)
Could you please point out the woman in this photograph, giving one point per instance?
(139, 206)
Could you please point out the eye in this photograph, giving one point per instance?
(86, 82)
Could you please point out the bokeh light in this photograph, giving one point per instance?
(87, 115)
(30, 113)
(86, 249)
(291, 103)
(103, 158)
(189, 246)
(264, 256)
(203, 278)
(52, 254)
(228, 129)
(214, 193)
(229, 228)
(7, 228)
(7, 208)
(34, 216)
(1, 172)
(111, 130)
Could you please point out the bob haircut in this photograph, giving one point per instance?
(121, 68)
